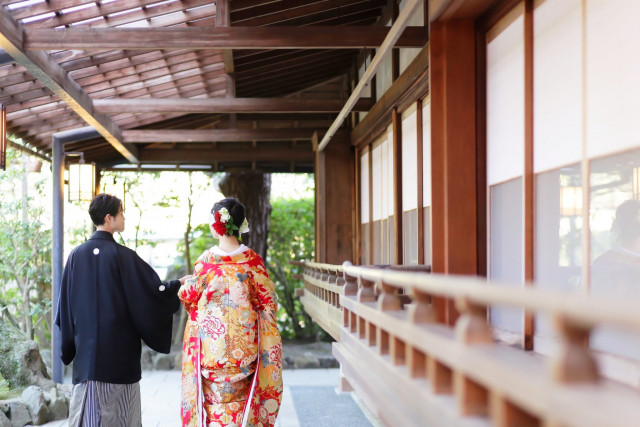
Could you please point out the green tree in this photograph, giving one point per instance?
(291, 238)
(25, 254)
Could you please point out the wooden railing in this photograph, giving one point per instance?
(412, 371)
(324, 283)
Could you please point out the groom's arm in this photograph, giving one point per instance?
(151, 301)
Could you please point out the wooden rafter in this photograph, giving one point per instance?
(49, 73)
(169, 13)
(277, 13)
(219, 38)
(150, 155)
(225, 105)
(215, 135)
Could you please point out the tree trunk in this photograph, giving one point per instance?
(177, 339)
(253, 189)
(26, 309)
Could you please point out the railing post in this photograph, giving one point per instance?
(389, 299)
(472, 326)
(365, 290)
(574, 362)
(422, 311)
(351, 282)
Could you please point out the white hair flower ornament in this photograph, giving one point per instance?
(222, 223)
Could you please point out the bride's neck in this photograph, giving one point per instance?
(228, 243)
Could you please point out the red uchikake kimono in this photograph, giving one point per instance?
(232, 351)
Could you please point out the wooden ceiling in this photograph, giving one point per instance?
(185, 81)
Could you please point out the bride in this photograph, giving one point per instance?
(232, 350)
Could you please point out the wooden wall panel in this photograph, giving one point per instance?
(335, 175)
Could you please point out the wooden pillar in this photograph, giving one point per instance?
(335, 174)
(420, 186)
(453, 145)
(397, 187)
(529, 175)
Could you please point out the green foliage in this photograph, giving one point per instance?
(25, 251)
(291, 238)
(4, 388)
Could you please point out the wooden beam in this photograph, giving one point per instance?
(208, 156)
(391, 40)
(443, 10)
(219, 38)
(215, 135)
(224, 105)
(223, 20)
(379, 116)
(51, 74)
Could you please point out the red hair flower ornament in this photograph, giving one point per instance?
(223, 225)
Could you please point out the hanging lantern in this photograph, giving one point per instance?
(3, 138)
(82, 181)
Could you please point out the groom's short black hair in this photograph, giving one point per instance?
(104, 204)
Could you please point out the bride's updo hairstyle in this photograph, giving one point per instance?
(235, 208)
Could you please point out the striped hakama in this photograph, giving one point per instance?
(96, 404)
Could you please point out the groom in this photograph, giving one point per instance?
(110, 299)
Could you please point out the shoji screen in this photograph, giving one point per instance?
(612, 75)
(557, 151)
(505, 163)
(365, 215)
(378, 213)
(388, 191)
(382, 199)
(586, 103)
(426, 177)
(410, 185)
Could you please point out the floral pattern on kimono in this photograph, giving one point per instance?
(232, 350)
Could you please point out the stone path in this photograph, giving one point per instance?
(310, 400)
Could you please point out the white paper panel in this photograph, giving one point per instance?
(364, 186)
(426, 152)
(377, 173)
(505, 104)
(409, 162)
(389, 164)
(613, 75)
(557, 84)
